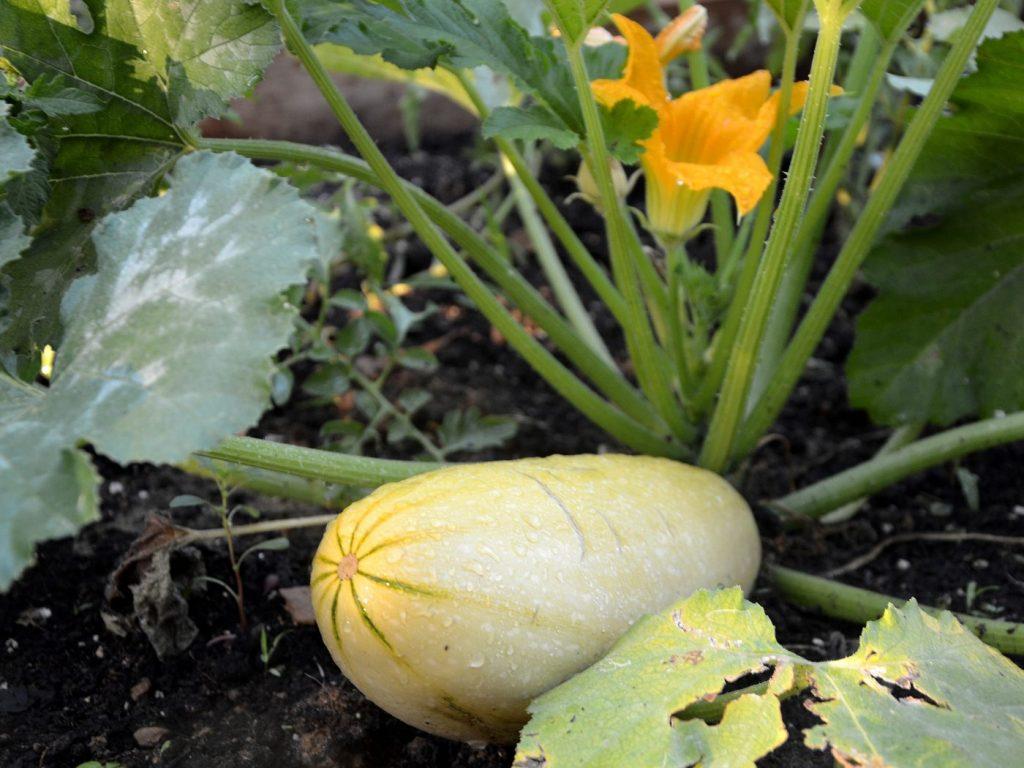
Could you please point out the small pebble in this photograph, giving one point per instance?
(981, 563)
(143, 495)
(116, 487)
(887, 528)
(150, 736)
(902, 564)
(141, 688)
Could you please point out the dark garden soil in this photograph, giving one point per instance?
(73, 690)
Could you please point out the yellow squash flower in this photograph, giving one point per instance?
(705, 139)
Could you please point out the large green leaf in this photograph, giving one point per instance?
(945, 338)
(418, 34)
(168, 345)
(961, 702)
(890, 17)
(920, 691)
(154, 67)
(619, 711)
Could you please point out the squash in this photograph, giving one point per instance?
(453, 598)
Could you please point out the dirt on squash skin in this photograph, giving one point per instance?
(72, 690)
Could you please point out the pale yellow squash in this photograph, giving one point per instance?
(455, 597)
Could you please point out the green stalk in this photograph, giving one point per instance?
(809, 235)
(721, 208)
(565, 292)
(884, 470)
(858, 244)
(762, 220)
(544, 249)
(268, 483)
(626, 254)
(842, 601)
(900, 437)
(607, 379)
(314, 464)
(568, 385)
(731, 407)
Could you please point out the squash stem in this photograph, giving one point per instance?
(841, 601)
(887, 468)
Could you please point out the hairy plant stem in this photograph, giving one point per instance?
(266, 482)
(815, 218)
(607, 379)
(858, 244)
(884, 470)
(717, 451)
(627, 254)
(842, 601)
(900, 437)
(616, 423)
(315, 464)
(762, 220)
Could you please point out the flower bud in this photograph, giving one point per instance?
(587, 184)
(683, 34)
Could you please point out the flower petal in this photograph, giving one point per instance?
(744, 175)
(643, 67)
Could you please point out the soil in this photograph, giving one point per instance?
(72, 690)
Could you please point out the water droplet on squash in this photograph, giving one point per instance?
(476, 662)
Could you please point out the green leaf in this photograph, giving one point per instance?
(464, 34)
(13, 239)
(625, 124)
(890, 17)
(168, 346)
(945, 338)
(962, 703)
(53, 97)
(619, 711)
(920, 691)
(788, 12)
(532, 123)
(154, 67)
(575, 17)
(469, 431)
(15, 152)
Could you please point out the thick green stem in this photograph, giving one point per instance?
(598, 410)
(626, 254)
(886, 469)
(606, 378)
(842, 601)
(731, 408)
(568, 299)
(900, 437)
(859, 243)
(762, 220)
(268, 483)
(543, 247)
(314, 464)
(808, 236)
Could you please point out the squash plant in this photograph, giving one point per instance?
(146, 274)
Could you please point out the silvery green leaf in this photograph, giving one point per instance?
(168, 347)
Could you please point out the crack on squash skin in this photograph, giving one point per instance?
(565, 511)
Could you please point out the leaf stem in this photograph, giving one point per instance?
(253, 529)
(315, 464)
(858, 244)
(626, 254)
(266, 482)
(808, 236)
(731, 408)
(885, 469)
(841, 601)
